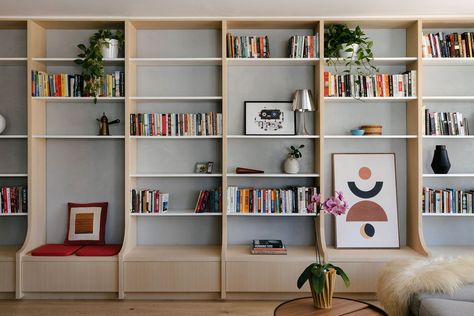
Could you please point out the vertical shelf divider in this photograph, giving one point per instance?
(224, 105)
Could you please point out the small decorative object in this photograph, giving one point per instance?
(303, 102)
(440, 163)
(91, 58)
(357, 132)
(291, 164)
(241, 170)
(322, 275)
(372, 129)
(204, 167)
(369, 183)
(352, 45)
(104, 125)
(269, 118)
(3, 123)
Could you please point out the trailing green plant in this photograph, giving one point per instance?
(295, 152)
(340, 37)
(91, 59)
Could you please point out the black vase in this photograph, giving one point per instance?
(440, 163)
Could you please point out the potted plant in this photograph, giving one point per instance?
(352, 45)
(291, 164)
(102, 44)
(322, 275)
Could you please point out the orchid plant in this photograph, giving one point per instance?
(334, 205)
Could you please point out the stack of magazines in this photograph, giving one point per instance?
(268, 247)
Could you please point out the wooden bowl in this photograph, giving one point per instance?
(372, 129)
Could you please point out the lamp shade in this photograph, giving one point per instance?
(303, 101)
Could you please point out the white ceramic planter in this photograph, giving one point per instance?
(291, 165)
(112, 50)
(3, 124)
(344, 54)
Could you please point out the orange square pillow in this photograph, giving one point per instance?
(86, 223)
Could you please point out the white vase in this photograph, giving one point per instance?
(291, 165)
(112, 49)
(3, 124)
(346, 55)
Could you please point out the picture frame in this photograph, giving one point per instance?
(369, 185)
(269, 118)
(204, 167)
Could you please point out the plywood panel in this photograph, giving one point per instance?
(363, 276)
(172, 276)
(7, 276)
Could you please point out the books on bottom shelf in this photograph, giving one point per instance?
(445, 123)
(209, 201)
(149, 201)
(13, 200)
(449, 201)
(268, 247)
(254, 200)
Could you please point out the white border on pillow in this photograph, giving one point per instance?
(96, 223)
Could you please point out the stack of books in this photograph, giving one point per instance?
(13, 200)
(304, 46)
(247, 46)
(449, 201)
(149, 201)
(445, 45)
(379, 85)
(268, 247)
(445, 123)
(208, 201)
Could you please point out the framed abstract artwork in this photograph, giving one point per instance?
(269, 118)
(368, 183)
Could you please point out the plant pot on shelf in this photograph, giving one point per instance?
(352, 54)
(440, 163)
(323, 300)
(291, 165)
(110, 48)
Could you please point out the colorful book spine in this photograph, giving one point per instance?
(445, 123)
(247, 46)
(447, 201)
(303, 46)
(448, 45)
(209, 201)
(149, 201)
(13, 200)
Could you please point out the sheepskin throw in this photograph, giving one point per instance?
(400, 280)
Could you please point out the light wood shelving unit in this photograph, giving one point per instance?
(179, 254)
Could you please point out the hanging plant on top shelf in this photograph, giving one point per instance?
(102, 43)
(350, 48)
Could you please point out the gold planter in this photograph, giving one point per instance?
(324, 299)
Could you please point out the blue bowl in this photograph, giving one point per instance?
(357, 132)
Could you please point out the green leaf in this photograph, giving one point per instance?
(82, 47)
(343, 275)
(304, 276)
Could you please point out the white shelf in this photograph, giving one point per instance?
(79, 99)
(271, 61)
(369, 136)
(69, 61)
(373, 99)
(449, 136)
(13, 175)
(13, 136)
(175, 213)
(272, 136)
(382, 61)
(447, 214)
(177, 98)
(13, 61)
(272, 175)
(449, 175)
(464, 61)
(176, 61)
(274, 214)
(78, 137)
(175, 137)
(448, 98)
(13, 214)
(176, 175)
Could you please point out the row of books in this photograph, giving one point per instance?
(445, 123)
(304, 46)
(247, 46)
(209, 201)
(268, 247)
(448, 45)
(65, 85)
(449, 201)
(13, 200)
(379, 85)
(253, 200)
(176, 124)
(149, 201)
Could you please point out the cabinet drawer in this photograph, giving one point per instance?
(7, 276)
(363, 276)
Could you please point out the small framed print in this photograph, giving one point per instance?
(204, 167)
(269, 118)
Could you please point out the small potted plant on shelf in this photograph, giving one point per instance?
(102, 44)
(350, 45)
(291, 164)
(320, 274)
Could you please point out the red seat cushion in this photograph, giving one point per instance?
(99, 251)
(53, 250)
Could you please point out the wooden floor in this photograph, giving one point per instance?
(139, 308)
